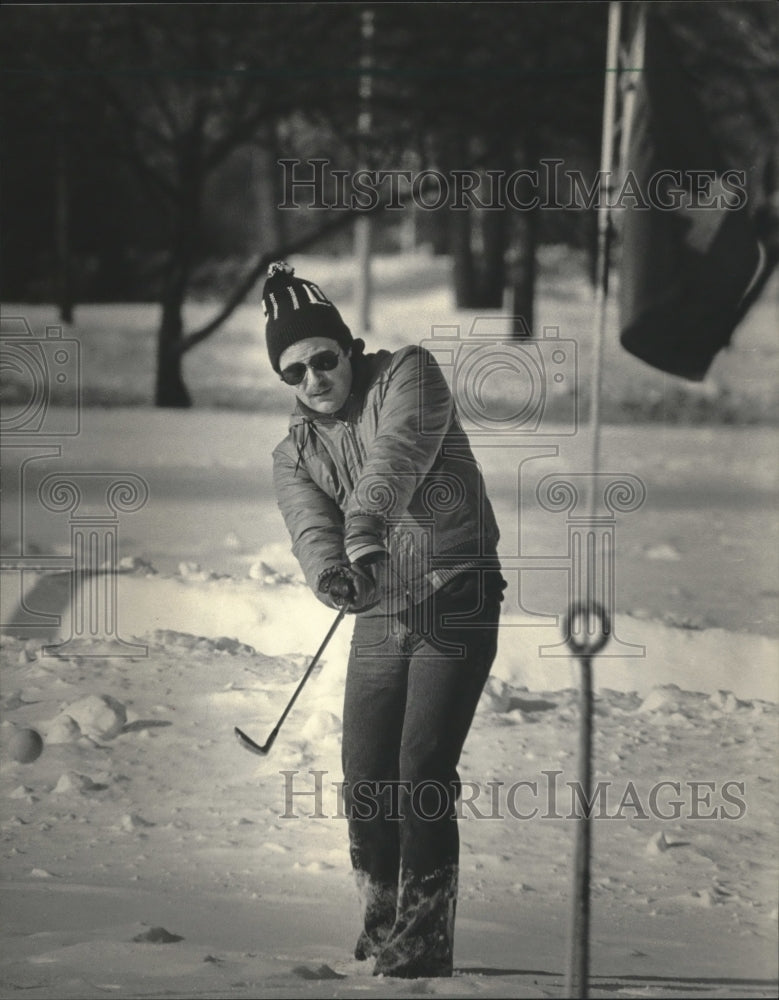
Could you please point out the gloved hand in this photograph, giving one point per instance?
(356, 585)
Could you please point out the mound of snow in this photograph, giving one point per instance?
(660, 699)
(496, 696)
(278, 557)
(99, 716)
(276, 620)
(287, 619)
(63, 728)
(267, 575)
(319, 725)
(135, 564)
(82, 784)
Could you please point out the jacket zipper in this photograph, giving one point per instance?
(352, 437)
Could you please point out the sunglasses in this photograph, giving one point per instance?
(324, 361)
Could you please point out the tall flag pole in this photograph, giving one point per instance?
(577, 974)
(363, 225)
(630, 80)
(604, 231)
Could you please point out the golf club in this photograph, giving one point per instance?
(246, 741)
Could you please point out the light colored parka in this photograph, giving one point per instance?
(393, 469)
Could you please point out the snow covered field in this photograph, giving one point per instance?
(146, 854)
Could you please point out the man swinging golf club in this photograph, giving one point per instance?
(387, 513)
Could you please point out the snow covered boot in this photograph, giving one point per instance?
(421, 942)
(379, 904)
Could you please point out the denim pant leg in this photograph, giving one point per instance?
(374, 707)
(447, 672)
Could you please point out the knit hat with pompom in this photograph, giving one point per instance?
(296, 309)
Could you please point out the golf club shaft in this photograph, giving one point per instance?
(249, 743)
(309, 669)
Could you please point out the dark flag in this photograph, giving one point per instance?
(693, 260)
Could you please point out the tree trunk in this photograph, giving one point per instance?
(525, 270)
(524, 286)
(277, 187)
(270, 229)
(62, 216)
(439, 227)
(590, 229)
(463, 272)
(407, 230)
(464, 275)
(493, 279)
(170, 388)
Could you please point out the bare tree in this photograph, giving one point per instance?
(180, 90)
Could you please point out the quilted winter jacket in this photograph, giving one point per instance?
(393, 469)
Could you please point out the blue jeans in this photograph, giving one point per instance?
(413, 683)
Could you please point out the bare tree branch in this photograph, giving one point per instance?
(190, 340)
(130, 147)
(239, 294)
(140, 38)
(243, 131)
(133, 120)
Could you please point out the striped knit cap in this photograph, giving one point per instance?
(296, 309)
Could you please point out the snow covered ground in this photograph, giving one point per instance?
(145, 853)
(169, 823)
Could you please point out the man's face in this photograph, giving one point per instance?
(320, 390)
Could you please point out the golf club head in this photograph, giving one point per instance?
(248, 743)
